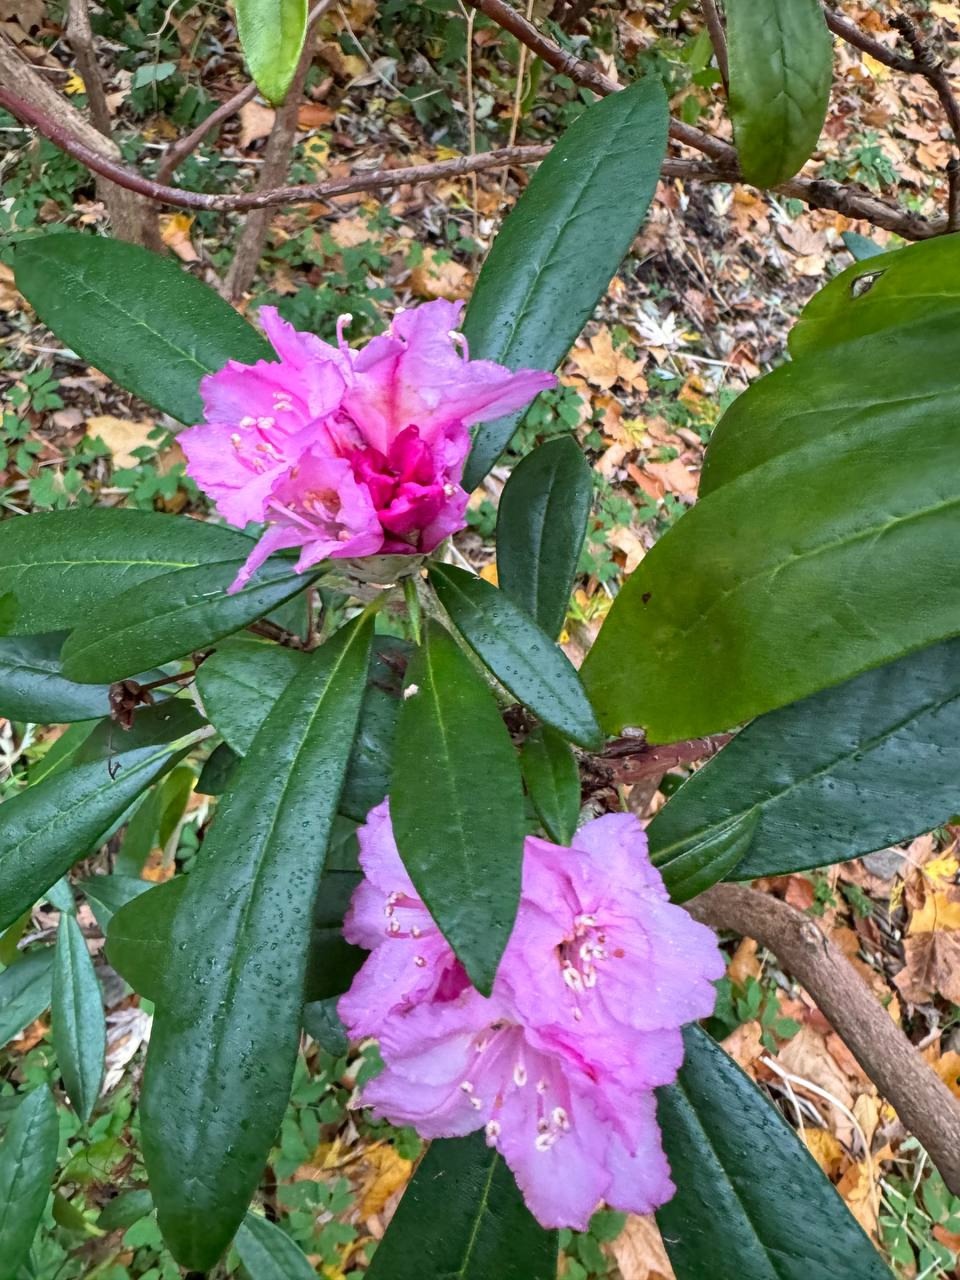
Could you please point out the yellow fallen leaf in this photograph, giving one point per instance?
(390, 1173)
(938, 912)
(944, 868)
(825, 1149)
(175, 234)
(879, 70)
(75, 84)
(489, 573)
(121, 437)
(949, 12)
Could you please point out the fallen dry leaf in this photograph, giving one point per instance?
(121, 437)
(314, 115)
(937, 912)
(602, 364)
(826, 1150)
(175, 234)
(745, 963)
(675, 476)
(440, 279)
(932, 966)
(256, 121)
(389, 1173)
(10, 300)
(744, 1044)
(347, 233)
(638, 1251)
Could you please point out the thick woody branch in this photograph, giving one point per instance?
(80, 39)
(718, 38)
(918, 1095)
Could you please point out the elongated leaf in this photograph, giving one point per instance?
(462, 1218)
(562, 243)
(140, 938)
(78, 1022)
(241, 682)
(272, 34)
(216, 774)
(28, 1158)
(268, 1253)
(173, 795)
(32, 686)
(25, 992)
(139, 318)
(107, 894)
(541, 523)
(139, 837)
(522, 657)
(911, 286)
(744, 1178)
(125, 1209)
(62, 751)
(62, 565)
(51, 825)
(172, 616)
(457, 805)
(781, 68)
(816, 554)
(693, 865)
(843, 773)
(225, 1041)
(333, 961)
(552, 779)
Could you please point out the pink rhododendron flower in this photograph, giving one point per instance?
(345, 452)
(560, 1064)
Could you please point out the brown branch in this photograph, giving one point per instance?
(718, 38)
(178, 151)
(953, 195)
(130, 218)
(80, 39)
(852, 34)
(931, 68)
(276, 163)
(630, 759)
(918, 1095)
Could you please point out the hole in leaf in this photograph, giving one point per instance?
(863, 284)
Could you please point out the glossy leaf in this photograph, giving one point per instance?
(125, 1209)
(781, 68)
(173, 795)
(77, 1019)
(522, 657)
(241, 681)
(139, 937)
(322, 1023)
(541, 524)
(217, 772)
(173, 616)
(28, 1159)
(268, 1253)
(333, 961)
(61, 566)
(457, 805)
(90, 290)
(462, 1218)
(562, 243)
(139, 837)
(224, 1044)
(32, 686)
(816, 554)
(272, 33)
(691, 866)
(850, 770)
(107, 894)
(25, 992)
(54, 823)
(552, 778)
(911, 286)
(729, 1151)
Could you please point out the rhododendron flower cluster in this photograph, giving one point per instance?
(558, 1066)
(345, 452)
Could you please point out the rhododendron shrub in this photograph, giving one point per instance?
(425, 827)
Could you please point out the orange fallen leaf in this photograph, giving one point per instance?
(602, 364)
(390, 1172)
(175, 234)
(121, 436)
(937, 912)
(435, 278)
(932, 966)
(826, 1150)
(638, 1251)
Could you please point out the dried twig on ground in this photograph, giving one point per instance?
(918, 1095)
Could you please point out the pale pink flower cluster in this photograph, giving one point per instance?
(559, 1065)
(347, 453)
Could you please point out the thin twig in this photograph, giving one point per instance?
(517, 94)
(178, 151)
(931, 68)
(711, 16)
(470, 17)
(80, 39)
(272, 631)
(915, 1091)
(852, 34)
(953, 195)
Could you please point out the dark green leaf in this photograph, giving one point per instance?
(216, 774)
(912, 286)
(28, 1159)
(746, 1183)
(522, 657)
(171, 616)
(781, 69)
(850, 770)
(32, 686)
(139, 937)
(25, 993)
(51, 825)
(368, 773)
(59, 755)
(107, 894)
(63, 565)
(562, 243)
(78, 1024)
(268, 1253)
(322, 1022)
(462, 1218)
(692, 865)
(224, 1044)
(552, 776)
(125, 1209)
(333, 961)
(457, 803)
(816, 554)
(139, 837)
(272, 33)
(541, 523)
(139, 318)
(173, 794)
